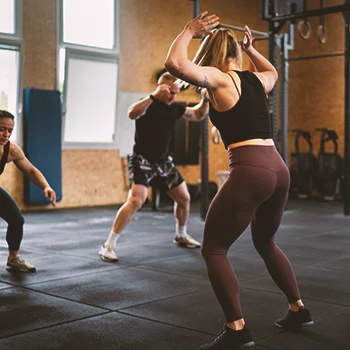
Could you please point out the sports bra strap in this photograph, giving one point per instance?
(239, 94)
(4, 157)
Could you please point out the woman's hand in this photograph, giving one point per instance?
(204, 95)
(202, 25)
(247, 42)
(50, 193)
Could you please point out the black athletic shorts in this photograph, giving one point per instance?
(163, 175)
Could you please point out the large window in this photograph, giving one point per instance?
(11, 61)
(7, 16)
(96, 23)
(88, 72)
(91, 96)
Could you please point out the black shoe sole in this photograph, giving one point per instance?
(246, 345)
(15, 269)
(243, 346)
(301, 325)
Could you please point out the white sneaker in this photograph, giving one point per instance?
(19, 264)
(186, 241)
(107, 253)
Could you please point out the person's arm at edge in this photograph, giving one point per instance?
(198, 112)
(139, 108)
(177, 62)
(24, 165)
(265, 69)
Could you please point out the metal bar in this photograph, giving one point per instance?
(335, 54)
(347, 114)
(284, 98)
(205, 148)
(204, 168)
(10, 41)
(304, 5)
(241, 29)
(261, 39)
(312, 13)
(196, 10)
(290, 44)
(264, 9)
(9, 47)
(273, 92)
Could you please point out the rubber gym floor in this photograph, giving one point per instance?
(158, 296)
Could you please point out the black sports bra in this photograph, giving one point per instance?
(249, 118)
(4, 157)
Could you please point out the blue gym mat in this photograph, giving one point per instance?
(42, 141)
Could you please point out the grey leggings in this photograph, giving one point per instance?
(10, 212)
(254, 193)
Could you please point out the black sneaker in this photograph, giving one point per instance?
(295, 319)
(230, 339)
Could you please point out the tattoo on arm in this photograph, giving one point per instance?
(187, 115)
(204, 83)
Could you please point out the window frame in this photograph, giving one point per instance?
(14, 42)
(89, 53)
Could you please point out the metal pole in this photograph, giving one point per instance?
(273, 60)
(284, 98)
(196, 10)
(316, 56)
(204, 147)
(264, 9)
(347, 113)
(205, 168)
(311, 13)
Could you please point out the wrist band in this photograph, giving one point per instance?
(152, 97)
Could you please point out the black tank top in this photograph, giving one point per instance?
(4, 157)
(249, 118)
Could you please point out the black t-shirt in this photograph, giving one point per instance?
(154, 129)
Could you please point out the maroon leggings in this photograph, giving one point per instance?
(254, 193)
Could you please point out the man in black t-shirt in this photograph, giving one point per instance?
(155, 117)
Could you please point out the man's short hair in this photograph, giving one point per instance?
(166, 78)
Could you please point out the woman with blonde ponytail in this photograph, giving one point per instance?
(256, 190)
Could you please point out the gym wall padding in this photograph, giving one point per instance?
(42, 141)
